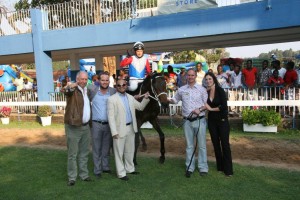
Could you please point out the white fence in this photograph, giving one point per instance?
(284, 101)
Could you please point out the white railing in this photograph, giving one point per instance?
(87, 12)
(15, 22)
(284, 101)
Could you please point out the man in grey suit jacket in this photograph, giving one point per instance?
(122, 121)
(100, 131)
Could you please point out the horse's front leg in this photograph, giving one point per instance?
(156, 126)
(144, 144)
(137, 143)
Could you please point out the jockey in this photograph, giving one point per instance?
(138, 66)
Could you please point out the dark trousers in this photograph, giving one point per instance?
(219, 133)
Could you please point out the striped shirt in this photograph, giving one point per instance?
(192, 97)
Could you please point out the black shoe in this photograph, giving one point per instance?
(188, 174)
(71, 183)
(107, 171)
(134, 173)
(203, 173)
(88, 179)
(124, 178)
(98, 175)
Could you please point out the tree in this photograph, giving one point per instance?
(24, 4)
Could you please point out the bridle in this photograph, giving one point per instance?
(156, 96)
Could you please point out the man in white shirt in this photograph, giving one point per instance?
(200, 73)
(27, 85)
(19, 82)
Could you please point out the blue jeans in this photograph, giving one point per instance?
(196, 129)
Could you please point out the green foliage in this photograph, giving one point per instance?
(261, 116)
(211, 55)
(24, 4)
(44, 111)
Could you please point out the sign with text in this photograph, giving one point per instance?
(175, 6)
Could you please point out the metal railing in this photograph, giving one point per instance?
(15, 22)
(86, 12)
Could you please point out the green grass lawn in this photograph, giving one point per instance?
(29, 173)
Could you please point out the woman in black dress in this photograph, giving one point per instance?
(218, 124)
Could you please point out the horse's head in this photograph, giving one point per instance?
(159, 88)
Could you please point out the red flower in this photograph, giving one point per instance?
(5, 111)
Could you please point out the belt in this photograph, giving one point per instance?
(100, 122)
(128, 124)
(85, 124)
(193, 119)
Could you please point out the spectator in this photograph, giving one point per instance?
(265, 74)
(27, 85)
(123, 127)
(34, 85)
(193, 97)
(249, 75)
(249, 80)
(276, 65)
(101, 135)
(172, 76)
(95, 80)
(112, 81)
(181, 81)
(77, 119)
(123, 75)
(290, 80)
(19, 82)
(222, 77)
(200, 73)
(290, 77)
(275, 81)
(169, 83)
(298, 76)
(236, 84)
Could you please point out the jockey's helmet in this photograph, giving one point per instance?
(138, 46)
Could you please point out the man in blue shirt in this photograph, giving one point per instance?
(101, 136)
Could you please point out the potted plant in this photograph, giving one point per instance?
(4, 114)
(44, 112)
(260, 120)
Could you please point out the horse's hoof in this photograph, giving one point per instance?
(144, 147)
(161, 160)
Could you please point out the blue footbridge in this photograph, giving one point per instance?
(97, 28)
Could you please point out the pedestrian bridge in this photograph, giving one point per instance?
(98, 28)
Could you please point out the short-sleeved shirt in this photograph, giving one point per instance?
(250, 76)
(290, 77)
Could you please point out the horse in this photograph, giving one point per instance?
(155, 84)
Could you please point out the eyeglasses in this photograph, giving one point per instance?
(121, 85)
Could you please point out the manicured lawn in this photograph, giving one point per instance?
(30, 173)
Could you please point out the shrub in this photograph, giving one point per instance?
(44, 111)
(261, 116)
